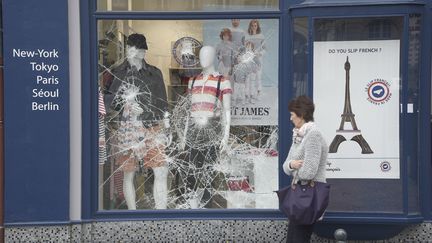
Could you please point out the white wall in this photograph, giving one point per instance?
(75, 109)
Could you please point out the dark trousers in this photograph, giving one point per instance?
(299, 233)
(200, 171)
(203, 147)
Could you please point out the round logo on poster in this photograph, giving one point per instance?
(378, 91)
(385, 166)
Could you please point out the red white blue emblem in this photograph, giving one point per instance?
(378, 91)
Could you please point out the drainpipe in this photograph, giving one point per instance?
(1, 155)
(1, 132)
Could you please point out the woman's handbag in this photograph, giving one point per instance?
(304, 204)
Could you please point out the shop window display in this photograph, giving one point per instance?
(188, 115)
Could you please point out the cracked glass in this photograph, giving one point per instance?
(188, 113)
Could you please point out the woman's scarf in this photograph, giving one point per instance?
(299, 133)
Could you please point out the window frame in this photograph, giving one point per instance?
(317, 11)
(89, 18)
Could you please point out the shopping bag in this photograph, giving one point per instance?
(304, 204)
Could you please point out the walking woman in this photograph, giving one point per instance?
(307, 157)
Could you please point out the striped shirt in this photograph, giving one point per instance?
(101, 106)
(203, 95)
(102, 142)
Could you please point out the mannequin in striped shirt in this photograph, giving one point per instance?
(207, 128)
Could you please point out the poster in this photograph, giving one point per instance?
(251, 64)
(356, 93)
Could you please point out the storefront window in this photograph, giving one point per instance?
(188, 113)
(300, 56)
(356, 88)
(189, 5)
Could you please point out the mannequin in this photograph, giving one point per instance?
(207, 129)
(138, 112)
(207, 55)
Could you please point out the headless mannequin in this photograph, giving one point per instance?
(135, 58)
(207, 57)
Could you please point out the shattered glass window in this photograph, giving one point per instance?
(188, 114)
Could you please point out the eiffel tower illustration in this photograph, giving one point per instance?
(348, 116)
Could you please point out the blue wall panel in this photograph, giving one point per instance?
(36, 100)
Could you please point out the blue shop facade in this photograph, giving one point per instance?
(98, 141)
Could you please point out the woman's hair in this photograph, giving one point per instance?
(250, 27)
(225, 31)
(303, 107)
